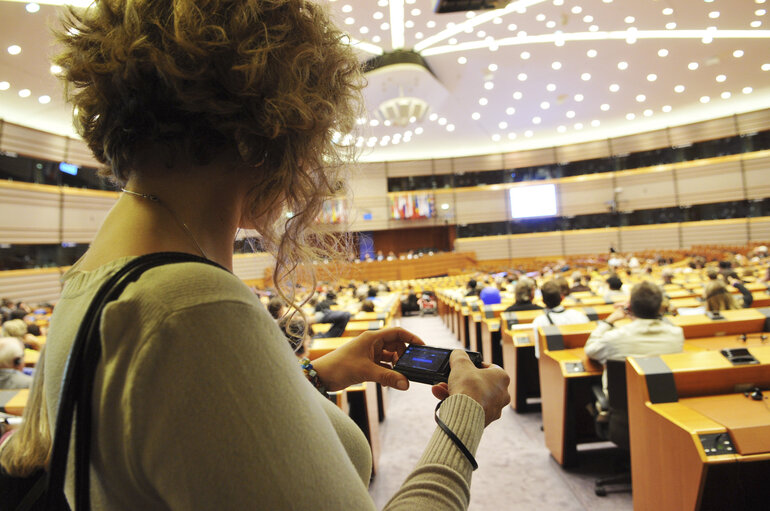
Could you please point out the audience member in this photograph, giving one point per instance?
(524, 294)
(472, 289)
(555, 313)
(646, 334)
(276, 307)
(12, 364)
(367, 306)
(324, 314)
(615, 292)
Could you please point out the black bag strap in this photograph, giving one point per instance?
(78, 382)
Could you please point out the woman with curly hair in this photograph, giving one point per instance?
(215, 115)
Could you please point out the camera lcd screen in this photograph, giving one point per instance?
(425, 358)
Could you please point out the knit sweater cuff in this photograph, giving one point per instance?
(465, 417)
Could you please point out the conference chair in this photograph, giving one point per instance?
(614, 425)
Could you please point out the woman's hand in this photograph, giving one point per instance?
(367, 357)
(487, 386)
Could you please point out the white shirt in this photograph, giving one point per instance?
(559, 316)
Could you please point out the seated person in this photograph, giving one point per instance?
(615, 292)
(578, 284)
(525, 293)
(276, 307)
(367, 306)
(12, 363)
(18, 328)
(719, 298)
(472, 288)
(555, 313)
(324, 314)
(647, 334)
(297, 333)
(490, 295)
(409, 304)
(426, 303)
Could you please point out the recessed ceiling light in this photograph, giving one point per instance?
(668, 11)
(450, 127)
(540, 17)
(32, 8)
(556, 65)
(595, 123)
(536, 120)
(433, 116)
(418, 35)
(24, 93)
(475, 116)
(55, 69)
(416, 12)
(550, 24)
(577, 9)
(578, 97)
(522, 77)
(662, 52)
(502, 125)
(738, 54)
(558, 2)
(497, 21)
(418, 130)
(524, 55)
(755, 24)
(376, 39)
(430, 24)
(622, 65)
(387, 122)
(585, 77)
(409, 24)
(760, 12)
(550, 87)
(647, 113)
(593, 28)
(747, 90)
(511, 135)
(652, 77)
(679, 88)
(605, 107)
(714, 15)
(528, 133)
(382, 3)
(570, 114)
(641, 98)
(364, 30)
(721, 78)
(670, 25)
(629, 19)
(489, 85)
(561, 129)
(347, 8)
(704, 99)
(374, 122)
(453, 40)
(726, 94)
(510, 110)
(496, 138)
(545, 105)
(517, 95)
(483, 101)
(614, 87)
(492, 67)
(462, 60)
(666, 108)
(481, 34)
(14, 49)
(378, 15)
(765, 67)
(707, 39)
(385, 26)
(692, 66)
(630, 116)
(591, 53)
(349, 21)
(4, 85)
(442, 121)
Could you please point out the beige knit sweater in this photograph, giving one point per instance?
(200, 404)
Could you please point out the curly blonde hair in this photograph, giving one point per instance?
(272, 81)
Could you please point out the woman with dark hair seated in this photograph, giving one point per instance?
(213, 116)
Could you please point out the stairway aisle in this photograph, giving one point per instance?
(515, 470)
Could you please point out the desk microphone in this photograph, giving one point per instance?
(756, 394)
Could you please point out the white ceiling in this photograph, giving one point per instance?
(535, 74)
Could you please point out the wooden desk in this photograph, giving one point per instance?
(682, 407)
(518, 352)
(364, 410)
(324, 345)
(13, 401)
(352, 329)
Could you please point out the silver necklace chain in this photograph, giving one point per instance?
(154, 198)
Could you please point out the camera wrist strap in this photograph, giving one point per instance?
(454, 438)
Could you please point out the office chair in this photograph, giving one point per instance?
(616, 428)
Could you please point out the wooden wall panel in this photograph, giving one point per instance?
(584, 151)
(718, 232)
(590, 241)
(477, 163)
(714, 182)
(377, 206)
(252, 266)
(760, 229)
(486, 248)
(83, 212)
(482, 205)
(544, 156)
(640, 142)
(33, 143)
(443, 166)
(752, 122)
(400, 241)
(368, 180)
(663, 237)
(29, 213)
(757, 177)
(32, 286)
(409, 168)
(583, 196)
(707, 130)
(537, 244)
(79, 154)
(646, 190)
